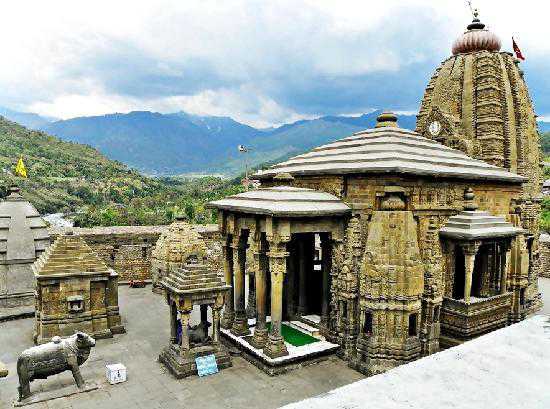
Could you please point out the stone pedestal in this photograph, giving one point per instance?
(183, 364)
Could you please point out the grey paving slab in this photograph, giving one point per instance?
(149, 385)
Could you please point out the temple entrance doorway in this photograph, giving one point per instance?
(307, 284)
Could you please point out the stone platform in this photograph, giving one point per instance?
(51, 395)
(15, 313)
(183, 366)
(298, 356)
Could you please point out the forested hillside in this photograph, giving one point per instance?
(70, 177)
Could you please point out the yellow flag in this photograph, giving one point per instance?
(20, 169)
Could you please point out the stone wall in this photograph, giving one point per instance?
(545, 255)
(127, 249)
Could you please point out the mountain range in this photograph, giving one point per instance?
(181, 143)
(27, 119)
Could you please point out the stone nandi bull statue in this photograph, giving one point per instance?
(52, 358)
(198, 334)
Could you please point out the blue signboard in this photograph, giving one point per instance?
(206, 365)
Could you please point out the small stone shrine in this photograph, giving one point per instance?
(194, 284)
(173, 248)
(23, 237)
(75, 291)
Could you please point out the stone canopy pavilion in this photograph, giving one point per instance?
(362, 241)
(272, 221)
(194, 284)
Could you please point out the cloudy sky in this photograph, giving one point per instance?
(262, 62)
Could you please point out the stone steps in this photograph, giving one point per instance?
(303, 327)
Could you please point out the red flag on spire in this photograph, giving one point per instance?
(519, 55)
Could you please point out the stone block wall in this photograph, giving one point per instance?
(127, 249)
(431, 203)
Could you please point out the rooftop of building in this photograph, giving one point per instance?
(193, 278)
(283, 201)
(389, 149)
(69, 255)
(22, 230)
(473, 224)
(476, 38)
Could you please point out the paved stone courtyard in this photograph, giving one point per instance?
(149, 385)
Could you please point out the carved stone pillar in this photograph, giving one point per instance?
(326, 252)
(302, 275)
(470, 250)
(240, 323)
(184, 318)
(275, 346)
(290, 286)
(228, 313)
(216, 311)
(251, 301)
(505, 266)
(173, 323)
(260, 332)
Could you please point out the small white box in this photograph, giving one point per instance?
(116, 373)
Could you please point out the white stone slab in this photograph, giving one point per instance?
(293, 352)
(508, 368)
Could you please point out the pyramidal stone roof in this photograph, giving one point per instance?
(69, 255)
(193, 278)
(22, 230)
(284, 201)
(389, 149)
(473, 224)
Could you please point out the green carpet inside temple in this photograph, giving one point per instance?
(295, 337)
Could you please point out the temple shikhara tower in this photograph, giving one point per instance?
(477, 101)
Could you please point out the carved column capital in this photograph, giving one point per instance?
(470, 247)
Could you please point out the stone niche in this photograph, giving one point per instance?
(23, 237)
(75, 291)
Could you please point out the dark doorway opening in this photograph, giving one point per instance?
(459, 276)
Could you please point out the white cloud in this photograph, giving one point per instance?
(259, 62)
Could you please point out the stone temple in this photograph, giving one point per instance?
(392, 244)
(75, 291)
(384, 246)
